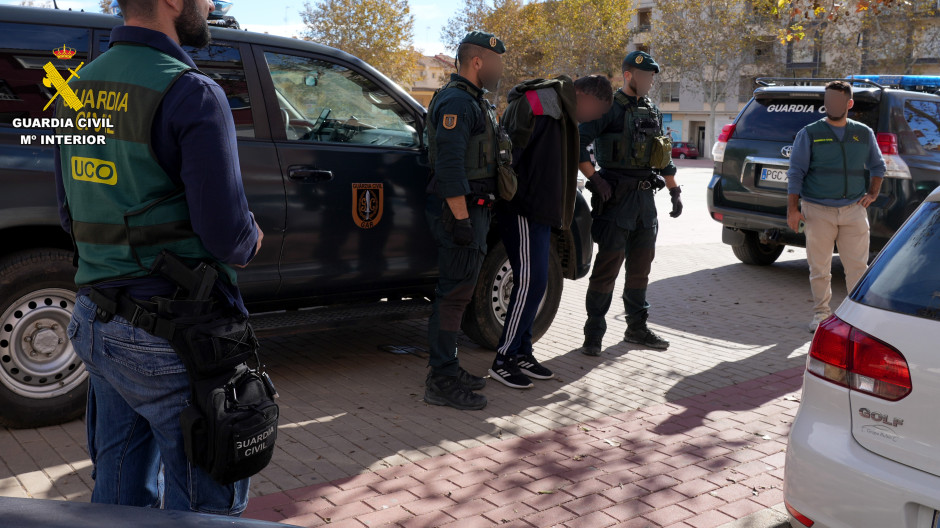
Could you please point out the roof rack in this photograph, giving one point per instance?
(772, 81)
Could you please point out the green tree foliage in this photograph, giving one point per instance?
(380, 32)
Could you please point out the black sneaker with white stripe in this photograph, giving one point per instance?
(506, 371)
(531, 368)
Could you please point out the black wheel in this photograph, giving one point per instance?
(484, 318)
(42, 381)
(756, 254)
(682, 156)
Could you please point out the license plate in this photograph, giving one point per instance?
(773, 175)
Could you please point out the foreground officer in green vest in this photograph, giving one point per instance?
(635, 157)
(836, 167)
(465, 150)
(167, 179)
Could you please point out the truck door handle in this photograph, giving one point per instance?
(309, 174)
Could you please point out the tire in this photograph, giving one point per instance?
(681, 156)
(45, 385)
(483, 320)
(754, 253)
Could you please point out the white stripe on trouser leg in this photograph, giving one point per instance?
(512, 325)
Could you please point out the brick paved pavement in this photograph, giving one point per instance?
(701, 461)
(352, 410)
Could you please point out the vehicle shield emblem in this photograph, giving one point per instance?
(368, 204)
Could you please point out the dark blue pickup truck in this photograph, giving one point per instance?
(334, 163)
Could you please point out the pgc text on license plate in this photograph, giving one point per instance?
(773, 175)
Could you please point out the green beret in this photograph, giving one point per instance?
(484, 40)
(641, 61)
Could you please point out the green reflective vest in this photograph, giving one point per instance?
(482, 157)
(831, 158)
(124, 208)
(641, 145)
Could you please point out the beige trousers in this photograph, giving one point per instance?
(847, 228)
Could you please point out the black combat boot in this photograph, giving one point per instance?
(591, 346)
(469, 380)
(447, 390)
(638, 333)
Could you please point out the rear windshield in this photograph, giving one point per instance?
(779, 119)
(906, 276)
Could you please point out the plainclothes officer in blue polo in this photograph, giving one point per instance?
(635, 156)
(170, 171)
(465, 149)
(542, 121)
(836, 170)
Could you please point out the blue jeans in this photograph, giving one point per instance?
(138, 387)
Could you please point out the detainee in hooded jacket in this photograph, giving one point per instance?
(541, 121)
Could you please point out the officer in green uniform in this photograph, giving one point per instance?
(167, 179)
(466, 145)
(635, 157)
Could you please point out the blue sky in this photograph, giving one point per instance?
(282, 17)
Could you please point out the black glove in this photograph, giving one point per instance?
(600, 187)
(676, 202)
(463, 232)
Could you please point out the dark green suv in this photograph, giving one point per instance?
(317, 130)
(748, 192)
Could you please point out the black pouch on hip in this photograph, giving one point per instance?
(218, 343)
(230, 427)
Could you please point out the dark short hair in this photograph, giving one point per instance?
(137, 8)
(840, 86)
(467, 51)
(597, 86)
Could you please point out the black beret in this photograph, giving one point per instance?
(641, 61)
(484, 40)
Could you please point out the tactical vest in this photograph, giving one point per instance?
(124, 208)
(640, 145)
(830, 158)
(484, 150)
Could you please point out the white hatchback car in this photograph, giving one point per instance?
(864, 449)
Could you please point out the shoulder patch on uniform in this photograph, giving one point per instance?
(450, 121)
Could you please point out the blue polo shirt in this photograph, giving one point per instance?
(193, 139)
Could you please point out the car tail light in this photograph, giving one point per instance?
(718, 151)
(888, 143)
(718, 216)
(851, 358)
(895, 167)
(799, 516)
